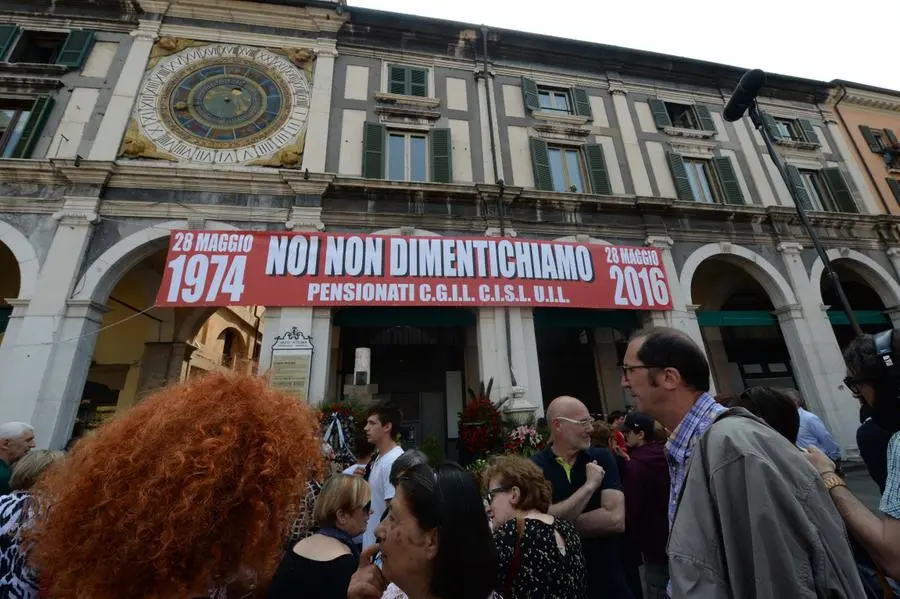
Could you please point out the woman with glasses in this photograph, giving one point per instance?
(320, 566)
(435, 542)
(540, 556)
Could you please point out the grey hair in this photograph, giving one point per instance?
(14, 430)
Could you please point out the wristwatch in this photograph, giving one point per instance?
(832, 480)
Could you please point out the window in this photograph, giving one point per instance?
(682, 116)
(566, 169)
(407, 157)
(45, 47)
(408, 81)
(791, 130)
(788, 129)
(705, 180)
(38, 47)
(883, 141)
(894, 184)
(702, 180)
(825, 189)
(815, 190)
(879, 140)
(556, 100)
(13, 119)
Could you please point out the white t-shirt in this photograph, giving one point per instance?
(382, 490)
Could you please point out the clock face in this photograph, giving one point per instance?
(223, 104)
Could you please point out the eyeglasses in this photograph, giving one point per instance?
(852, 383)
(626, 370)
(495, 491)
(585, 422)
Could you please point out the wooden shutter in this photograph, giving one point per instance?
(418, 82)
(530, 94)
(373, 151)
(8, 35)
(809, 134)
(840, 192)
(705, 118)
(892, 138)
(660, 114)
(870, 138)
(582, 103)
(679, 176)
(540, 162)
(894, 184)
(398, 80)
(75, 49)
(728, 178)
(441, 165)
(799, 191)
(769, 123)
(597, 171)
(40, 111)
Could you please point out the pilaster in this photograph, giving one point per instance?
(639, 175)
(315, 149)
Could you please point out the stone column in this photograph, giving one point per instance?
(315, 150)
(815, 356)
(118, 112)
(36, 366)
(161, 364)
(312, 322)
(633, 155)
(893, 312)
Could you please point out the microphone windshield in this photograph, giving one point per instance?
(746, 91)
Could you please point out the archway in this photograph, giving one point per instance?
(19, 268)
(737, 294)
(10, 281)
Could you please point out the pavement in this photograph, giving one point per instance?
(863, 486)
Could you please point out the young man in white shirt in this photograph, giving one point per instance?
(381, 431)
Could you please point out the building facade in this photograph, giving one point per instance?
(232, 115)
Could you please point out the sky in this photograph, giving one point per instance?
(853, 40)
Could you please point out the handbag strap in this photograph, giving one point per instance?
(516, 560)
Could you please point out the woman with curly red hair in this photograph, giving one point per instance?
(184, 494)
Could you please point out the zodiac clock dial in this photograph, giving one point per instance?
(223, 104)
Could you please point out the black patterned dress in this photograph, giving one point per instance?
(17, 580)
(544, 572)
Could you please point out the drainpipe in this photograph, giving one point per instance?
(862, 159)
(485, 74)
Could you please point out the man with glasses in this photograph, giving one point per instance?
(586, 491)
(748, 517)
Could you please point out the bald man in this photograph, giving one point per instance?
(587, 492)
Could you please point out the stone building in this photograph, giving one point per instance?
(312, 116)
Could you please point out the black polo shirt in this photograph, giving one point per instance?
(603, 555)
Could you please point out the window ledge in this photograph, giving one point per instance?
(894, 170)
(562, 132)
(27, 68)
(410, 101)
(795, 144)
(562, 119)
(689, 133)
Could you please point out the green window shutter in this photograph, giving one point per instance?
(870, 138)
(540, 162)
(798, 188)
(373, 151)
(75, 49)
(679, 176)
(894, 184)
(892, 138)
(8, 35)
(769, 124)
(398, 80)
(582, 103)
(660, 114)
(418, 82)
(840, 192)
(40, 111)
(599, 174)
(441, 165)
(728, 178)
(530, 94)
(809, 134)
(705, 118)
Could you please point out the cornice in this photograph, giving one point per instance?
(65, 23)
(127, 209)
(298, 18)
(232, 180)
(868, 99)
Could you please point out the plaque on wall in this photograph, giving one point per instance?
(291, 363)
(222, 104)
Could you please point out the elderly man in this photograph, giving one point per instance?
(586, 491)
(16, 439)
(749, 517)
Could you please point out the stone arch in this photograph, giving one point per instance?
(775, 285)
(574, 239)
(102, 275)
(26, 257)
(875, 275)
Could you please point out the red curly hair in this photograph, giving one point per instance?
(183, 492)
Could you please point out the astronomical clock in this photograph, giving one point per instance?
(222, 104)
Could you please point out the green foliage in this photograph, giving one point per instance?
(432, 448)
(484, 391)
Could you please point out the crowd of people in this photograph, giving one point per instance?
(222, 487)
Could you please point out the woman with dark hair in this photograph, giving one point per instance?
(774, 406)
(435, 542)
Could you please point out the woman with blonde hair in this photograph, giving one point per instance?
(540, 556)
(320, 566)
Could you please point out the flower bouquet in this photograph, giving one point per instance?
(524, 440)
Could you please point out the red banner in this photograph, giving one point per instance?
(216, 268)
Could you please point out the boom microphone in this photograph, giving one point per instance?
(744, 94)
